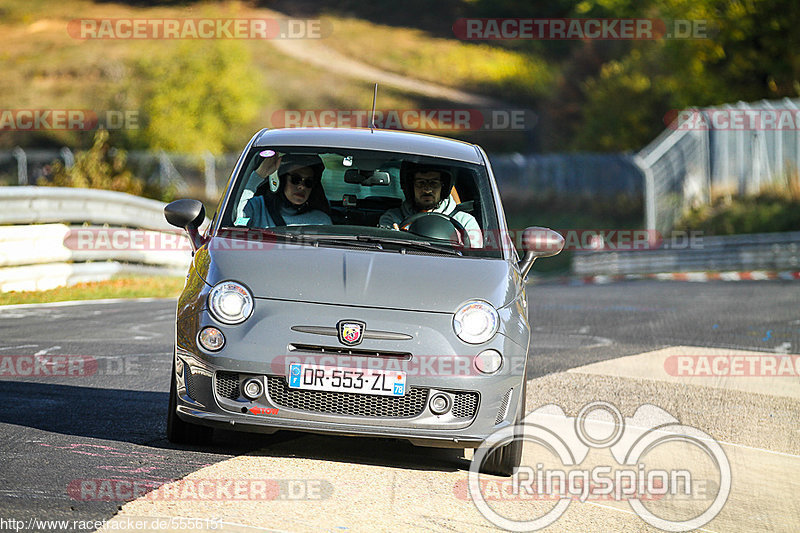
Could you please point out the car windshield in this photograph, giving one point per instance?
(387, 201)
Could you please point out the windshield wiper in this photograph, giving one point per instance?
(346, 240)
(411, 243)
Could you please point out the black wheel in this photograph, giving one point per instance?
(178, 431)
(503, 460)
(431, 224)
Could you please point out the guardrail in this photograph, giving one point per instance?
(37, 205)
(762, 251)
(42, 254)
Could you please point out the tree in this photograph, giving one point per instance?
(193, 97)
(100, 167)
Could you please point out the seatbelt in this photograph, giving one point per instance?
(270, 201)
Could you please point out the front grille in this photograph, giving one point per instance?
(501, 414)
(188, 379)
(340, 350)
(465, 404)
(228, 385)
(347, 403)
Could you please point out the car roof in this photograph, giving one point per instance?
(365, 139)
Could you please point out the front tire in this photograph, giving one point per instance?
(503, 460)
(178, 431)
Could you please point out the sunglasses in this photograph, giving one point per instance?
(297, 179)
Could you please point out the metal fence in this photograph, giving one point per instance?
(581, 173)
(732, 149)
(189, 174)
(681, 168)
(205, 175)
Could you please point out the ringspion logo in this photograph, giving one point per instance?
(681, 472)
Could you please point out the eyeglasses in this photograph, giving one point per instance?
(297, 179)
(428, 184)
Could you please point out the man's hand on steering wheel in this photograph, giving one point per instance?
(460, 230)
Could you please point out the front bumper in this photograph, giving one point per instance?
(208, 395)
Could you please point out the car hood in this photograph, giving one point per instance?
(344, 276)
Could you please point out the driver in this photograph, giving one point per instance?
(427, 189)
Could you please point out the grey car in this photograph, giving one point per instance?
(417, 331)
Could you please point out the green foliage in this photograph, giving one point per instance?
(560, 212)
(100, 167)
(742, 51)
(103, 167)
(774, 209)
(193, 96)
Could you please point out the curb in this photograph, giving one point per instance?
(752, 275)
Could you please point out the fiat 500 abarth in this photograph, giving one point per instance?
(355, 282)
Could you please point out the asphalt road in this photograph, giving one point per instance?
(108, 421)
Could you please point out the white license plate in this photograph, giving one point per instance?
(358, 380)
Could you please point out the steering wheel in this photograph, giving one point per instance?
(432, 225)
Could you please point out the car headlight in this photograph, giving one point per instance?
(230, 302)
(476, 322)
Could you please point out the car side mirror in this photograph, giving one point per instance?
(539, 242)
(187, 214)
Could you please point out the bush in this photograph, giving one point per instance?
(774, 209)
(102, 167)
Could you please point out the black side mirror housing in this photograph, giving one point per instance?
(188, 215)
(539, 242)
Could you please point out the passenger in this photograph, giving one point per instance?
(427, 189)
(299, 200)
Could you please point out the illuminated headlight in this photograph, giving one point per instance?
(475, 322)
(489, 361)
(211, 339)
(230, 302)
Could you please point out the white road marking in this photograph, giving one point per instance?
(20, 346)
(50, 349)
(83, 302)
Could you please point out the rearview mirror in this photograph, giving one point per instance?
(367, 178)
(539, 242)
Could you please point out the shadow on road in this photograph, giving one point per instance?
(139, 417)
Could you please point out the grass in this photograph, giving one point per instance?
(45, 68)
(504, 74)
(133, 287)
